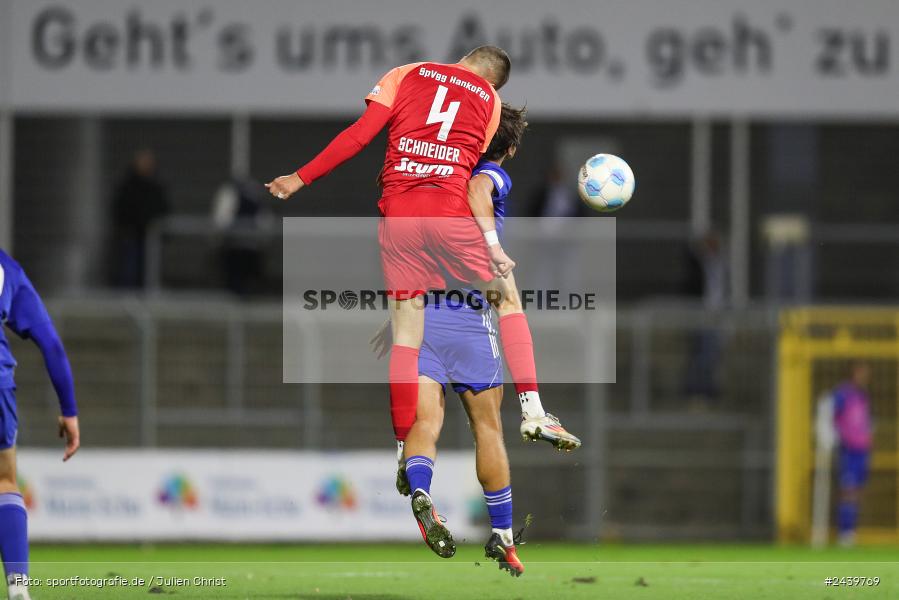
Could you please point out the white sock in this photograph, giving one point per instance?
(505, 535)
(530, 405)
(399, 449)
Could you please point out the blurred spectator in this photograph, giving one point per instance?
(139, 200)
(852, 420)
(707, 279)
(556, 196)
(238, 211)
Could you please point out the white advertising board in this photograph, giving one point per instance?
(576, 58)
(236, 495)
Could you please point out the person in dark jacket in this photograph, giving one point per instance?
(140, 199)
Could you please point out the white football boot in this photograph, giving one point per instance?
(548, 429)
(18, 591)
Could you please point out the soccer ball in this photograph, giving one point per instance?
(605, 182)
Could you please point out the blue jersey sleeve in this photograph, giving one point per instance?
(26, 310)
(502, 185)
(25, 314)
(58, 367)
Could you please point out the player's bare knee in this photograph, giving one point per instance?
(407, 317)
(430, 425)
(487, 428)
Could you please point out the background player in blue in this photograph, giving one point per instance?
(22, 311)
(852, 420)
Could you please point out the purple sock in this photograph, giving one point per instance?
(847, 517)
(13, 534)
(499, 507)
(419, 470)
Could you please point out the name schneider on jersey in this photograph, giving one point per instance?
(427, 150)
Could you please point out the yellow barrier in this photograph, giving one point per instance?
(814, 350)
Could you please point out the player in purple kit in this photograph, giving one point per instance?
(22, 311)
(852, 420)
(460, 348)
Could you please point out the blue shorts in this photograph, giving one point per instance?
(460, 347)
(853, 468)
(9, 421)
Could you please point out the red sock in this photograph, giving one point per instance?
(403, 388)
(518, 347)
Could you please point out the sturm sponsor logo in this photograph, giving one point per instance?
(418, 169)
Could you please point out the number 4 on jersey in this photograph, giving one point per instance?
(438, 115)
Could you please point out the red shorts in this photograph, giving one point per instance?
(425, 235)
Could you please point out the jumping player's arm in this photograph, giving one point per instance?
(28, 318)
(350, 141)
(480, 200)
(346, 145)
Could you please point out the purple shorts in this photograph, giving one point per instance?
(460, 347)
(9, 421)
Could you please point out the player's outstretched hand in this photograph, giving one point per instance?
(381, 341)
(285, 186)
(501, 263)
(68, 430)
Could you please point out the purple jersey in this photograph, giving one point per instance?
(852, 417)
(21, 310)
(460, 344)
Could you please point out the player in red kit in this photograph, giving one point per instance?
(440, 118)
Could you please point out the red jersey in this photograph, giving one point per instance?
(442, 118)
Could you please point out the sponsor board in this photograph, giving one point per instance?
(579, 58)
(235, 495)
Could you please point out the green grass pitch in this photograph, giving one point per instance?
(400, 572)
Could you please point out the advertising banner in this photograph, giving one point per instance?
(578, 58)
(121, 495)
